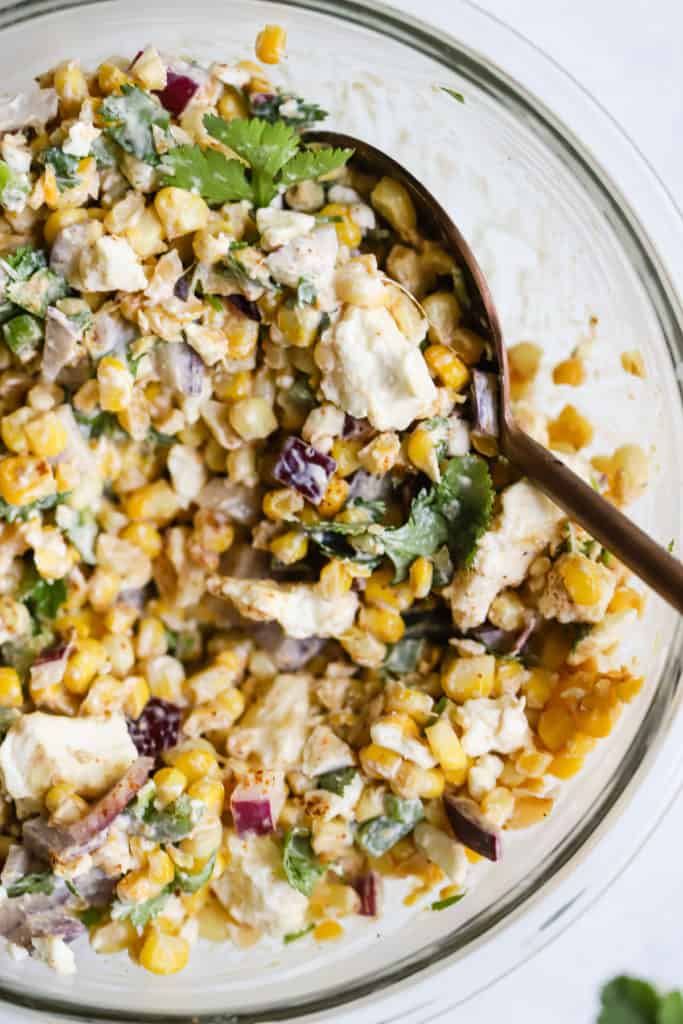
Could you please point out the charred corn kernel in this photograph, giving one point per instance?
(299, 324)
(232, 105)
(446, 365)
(421, 451)
(164, 954)
(335, 579)
(392, 201)
(71, 87)
(115, 384)
(282, 504)
(409, 701)
(466, 678)
(570, 431)
(144, 536)
(334, 498)
(446, 747)
(290, 547)
(582, 579)
(378, 592)
(345, 454)
(556, 727)
(412, 781)
(170, 783)
(363, 648)
(137, 696)
(113, 936)
(196, 763)
(210, 792)
(25, 478)
(538, 687)
(379, 762)
(13, 429)
(421, 575)
(104, 587)
(633, 362)
(524, 359)
(270, 44)
(347, 230)
(62, 219)
(86, 661)
(152, 639)
(180, 212)
(156, 501)
(10, 688)
(529, 810)
(386, 625)
(57, 795)
(252, 418)
(120, 618)
(110, 78)
(564, 766)
(571, 372)
(46, 435)
(498, 805)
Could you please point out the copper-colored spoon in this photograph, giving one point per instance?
(647, 559)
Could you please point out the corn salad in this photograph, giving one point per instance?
(276, 620)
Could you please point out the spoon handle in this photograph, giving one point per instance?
(647, 559)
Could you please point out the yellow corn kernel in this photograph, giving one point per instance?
(62, 219)
(582, 579)
(446, 365)
(24, 478)
(57, 795)
(164, 954)
(180, 212)
(412, 781)
(290, 547)
(144, 536)
(46, 435)
(137, 696)
(110, 78)
(347, 230)
(299, 324)
(529, 810)
(232, 105)
(210, 792)
(380, 593)
(83, 665)
(333, 899)
(328, 931)
(629, 473)
(205, 839)
(556, 646)
(252, 418)
(444, 314)
(120, 618)
(363, 648)
(160, 868)
(625, 598)
(334, 498)
(409, 701)
(335, 579)
(421, 451)
(509, 676)
(571, 372)
(151, 639)
(633, 362)
(538, 687)
(570, 431)
(13, 429)
(556, 726)
(156, 501)
(384, 624)
(345, 454)
(196, 763)
(270, 44)
(113, 936)
(379, 762)
(446, 747)
(466, 678)
(104, 587)
(497, 805)
(564, 766)
(71, 87)
(392, 201)
(10, 688)
(597, 715)
(627, 689)
(524, 359)
(282, 504)
(115, 384)
(170, 783)
(421, 575)
(51, 193)
(532, 763)
(229, 387)
(81, 622)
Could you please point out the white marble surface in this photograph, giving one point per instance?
(628, 54)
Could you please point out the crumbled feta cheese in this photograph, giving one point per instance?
(604, 642)
(31, 109)
(555, 602)
(277, 227)
(443, 851)
(55, 952)
(230, 74)
(254, 890)
(16, 153)
(68, 247)
(492, 724)
(166, 273)
(187, 471)
(371, 369)
(80, 138)
(457, 436)
(125, 558)
(16, 952)
(111, 265)
(342, 194)
(524, 527)
(209, 343)
(321, 805)
(300, 608)
(387, 734)
(324, 752)
(41, 750)
(483, 775)
(322, 425)
(363, 216)
(274, 727)
(312, 257)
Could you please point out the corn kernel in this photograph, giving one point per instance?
(524, 359)
(633, 362)
(421, 451)
(270, 44)
(446, 747)
(71, 87)
(290, 547)
(335, 579)
(62, 218)
(564, 766)
(195, 764)
(582, 579)
(379, 762)
(110, 78)
(409, 701)
(571, 372)
(13, 429)
(57, 795)
(151, 639)
(156, 501)
(556, 727)
(421, 575)
(104, 587)
(232, 105)
(334, 498)
(24, 479)
(597, 716)
(252, 418)
(345, 454)
(467, 678)
(170, 783)
(180, 212)
(282, 504)
(443, 312)
(113, 936)
(144, 536)
(164, 954)
(446, 365)
(210, 792)
(115, 384)
(379, 593)
(412, 781)
(538, 687)
(347, 230)
(385, 625)
(138, 693)
(529, 810)
(10, 688)
(570, 431)
(83, 665)
(299, 324)
(392, 201)
(46, 435)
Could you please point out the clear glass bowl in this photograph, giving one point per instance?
(558, 226)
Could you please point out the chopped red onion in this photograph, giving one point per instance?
(181, 368)
(178, 92)
(304, 468)
(181, 289)
(252, 817)
(354, 427)
(471, 827)
(243, 305)
(157, 727)
(485, 399)
(369, 888)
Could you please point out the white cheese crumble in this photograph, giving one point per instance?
(41, 750)
(313, 257)
(325, 752)
(371, 369)
(277, 227)
(187, 471)
(492, 724)
(111, 265)
(80, 138)
(483, 775)
(389, 735)
(27, 109)
(56, 954)
(604, 642)
(443, 851)
(274, 727)
(300, 608)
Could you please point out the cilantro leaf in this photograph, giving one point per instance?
(208, 172)
(336, 781)
(425, 531)
(43, 598)
(671, 1009)
(101, 424)
(128, 120)
(300, 864)
(189, 882)
(24, 262)
(168, 825)
(38, 882)
(299, 113)
(403, 656)
(448, 902)
(454, 93)
(139, 914)
(10, 513)
(91, 916)
(293, 936)
(41, 290)
(65, 166)
(313, 163)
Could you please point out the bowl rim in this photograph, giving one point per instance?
(638, 758)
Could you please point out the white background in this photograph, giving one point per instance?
(628, 54)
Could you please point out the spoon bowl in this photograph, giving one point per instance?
(616, 532)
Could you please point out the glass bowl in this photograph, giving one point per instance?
(558, 226)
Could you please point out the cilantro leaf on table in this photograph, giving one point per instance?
(128, 120)
(207, 172)
(301, 866)
(65, 166)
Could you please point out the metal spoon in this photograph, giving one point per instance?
(647, 559)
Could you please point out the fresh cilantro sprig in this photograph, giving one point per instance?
(627, 1000)
(128, 120)
(64, 165)
(271, 158)
(301, 866)
(298, 113)
(43, 598)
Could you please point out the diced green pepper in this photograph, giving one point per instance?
(23, 335)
